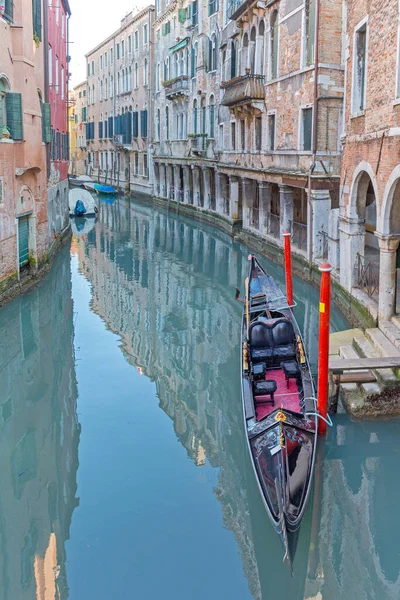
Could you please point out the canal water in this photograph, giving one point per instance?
(124, 470)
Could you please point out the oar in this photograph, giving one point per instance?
(246, 286)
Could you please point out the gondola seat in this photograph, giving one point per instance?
(272, 341)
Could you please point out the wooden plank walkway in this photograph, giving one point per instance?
(337, 367)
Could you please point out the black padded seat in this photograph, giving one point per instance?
(265, 388)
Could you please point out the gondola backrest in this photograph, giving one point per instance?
(283, 333)
(260, 335)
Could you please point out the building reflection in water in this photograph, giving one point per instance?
(39, 436)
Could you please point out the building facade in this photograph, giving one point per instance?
(119, 99)
(23, 179)
(370, 217)
(262, 88)
(78, 162)
(58, 13)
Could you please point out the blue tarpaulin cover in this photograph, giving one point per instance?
(79, 208)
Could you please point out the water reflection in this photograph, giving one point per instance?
(39, 437)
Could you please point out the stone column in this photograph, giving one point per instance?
(318, 209)
(264, 193)
(234, 196)
(177, 183)
(220, 195)
(387, 277)
(286, 207)
(247, 199)
(161, 171)
(352, 238)
(186, 185)
(207, 187)
(196, 186)
(333, 239)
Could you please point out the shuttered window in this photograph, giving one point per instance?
(166, 28)
(58, 145)
(100, 130)
(135, 124)
(306, 124)
(53, 144)
(37, 18)
(127, 128)
(212, 7)
(46, 122)
(182, 15)
(143, 123)
(105, 130)
(194, 13)
(23, 241)
(84, 114)
(14, 115)
(110, 127)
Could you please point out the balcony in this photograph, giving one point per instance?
(237, 7)
(246, 90)
(177, 88)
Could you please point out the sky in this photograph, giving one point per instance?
(89, 25)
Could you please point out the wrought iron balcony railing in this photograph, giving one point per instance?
(244, 89)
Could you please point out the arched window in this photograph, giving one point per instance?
(176, 65)
(158, 124)
(166, 123)
(234, 59)
(252, 51)
(195, 116)
(212, 117)
(4, 88)
(166, 69)
(213, 53)
(274, 45)
(193, 65)
(260, 49)
(245, 52)
(203, 116)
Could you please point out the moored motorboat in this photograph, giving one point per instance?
(279, 404)
(104, 189)
(81, 203)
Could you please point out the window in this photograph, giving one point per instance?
(105, 59)
(195, 110)
(233, 136)
(105, 89)
(242, 135)
(8, 10)
(212, 117)
(11, 110)
(111, 86)
(212, 60)
(111, 56)
(158, 77)
(57, 3)
(274, 45)
(88, 96)
(101, 62)
(122, 48)
(143, 123)
(93, 95)
(136, 164)
(57, 75)
(135, 76)
(145, 166)
(166, 28)
(101, 92)
(92, 67)
(62, 82)
(129, 44)
(258, 133)
(145, 72)
(51, 65)
(145, 34)
(88, 66)
(234, 59)
(136, 40)
(359, 69)
(193, 62)
(37, 18)
(306, 129)
(194, 13)
(118, 52)
(213, 6)
(158, 124)
(221, 136)
(309, 41)
(118, 82)
(158, 6)
(271, 132)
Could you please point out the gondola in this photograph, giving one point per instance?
(279, 405)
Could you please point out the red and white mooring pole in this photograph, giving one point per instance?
(288, 266)
(323, 349)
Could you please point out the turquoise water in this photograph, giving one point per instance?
(124, 467)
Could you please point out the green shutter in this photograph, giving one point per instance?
(182, 15)
(46, 122)
(23, 240)
(163, 29)
(8, 10)
(37, 18)
(14, 115)
(84, 114)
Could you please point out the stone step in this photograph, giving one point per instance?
(396, 321)
(367, 350)
(348, 352)
(392, 331)
(381, 343)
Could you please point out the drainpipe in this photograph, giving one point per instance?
(315, 134)
(46, 72)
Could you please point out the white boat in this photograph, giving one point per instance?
(82, 225)
(88, 201)
(79, 181)
(89, 185)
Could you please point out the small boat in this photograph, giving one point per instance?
(89, 186)
(79, 181)
(279, 405)
(81, 203)
(104, 189)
